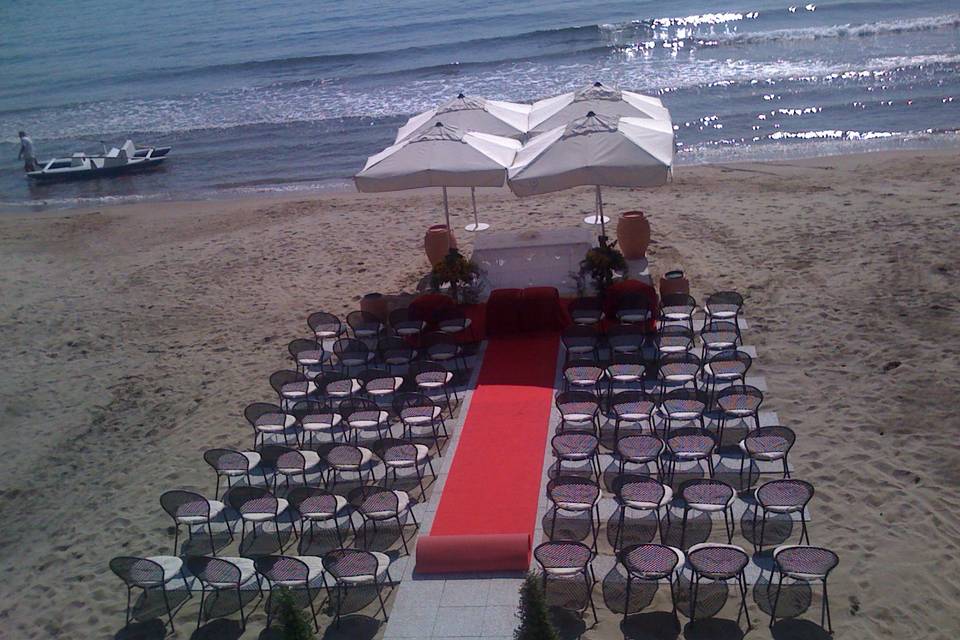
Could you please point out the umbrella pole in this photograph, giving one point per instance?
(477, 225)
(603, 228)
(446, 213)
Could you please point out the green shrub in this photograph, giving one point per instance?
(533, 614)
(294, 624)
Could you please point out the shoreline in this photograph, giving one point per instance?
(345, 187)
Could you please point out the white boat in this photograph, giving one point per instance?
(125, 159)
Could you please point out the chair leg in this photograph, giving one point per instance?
(626, 604)
(313, 609)
(826, 607)
(166, 601)
(383, 606)
(203, 595)
(589, 585)
(742, 583)
(776, 600)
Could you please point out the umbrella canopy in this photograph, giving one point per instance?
(472, 114)
(554, 112)
(595, 150)
(439, 156)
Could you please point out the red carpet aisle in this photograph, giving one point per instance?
(490, 496)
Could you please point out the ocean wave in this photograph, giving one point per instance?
(933, 23)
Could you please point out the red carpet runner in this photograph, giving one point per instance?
(489, 501)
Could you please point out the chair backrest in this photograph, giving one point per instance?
(638, 488)
(572, 489)
(707, 491)
(739, 358)
(324, 324)
(583, 369)
(579, 336)
(350, 563)
(725, 298)
(428, 371)
(226, 460)
(279, 379)
(374, 500)
(395, 450)
(270, 455)
(563, 555)
(742, 397)
(282, 570)
(298, 346)
(411, 401)
(678, 300)
(390, 347)
(683, 401)
(626, 400)
(351, 406)
(785, 493)
(244, 499)
(378, 380)
(364, 322)
(577, 401)
(213, 570)
(675, 336)
(182, 504)
(305, 408)
(291, 461)
(677, 437)
(137, 572)
(649, 558)
(774, 433)
(312, 500)
(254, 411)
(351, 349)
(338, 454)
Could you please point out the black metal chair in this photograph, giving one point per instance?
(451, 320)
(395, 351)
(724, 306)
(334, 388)
(626, 339)
(291, 386)
(269, 419)
(738, 402)
(652, 563)
(316, 418)
(782, 497)
(720, 563)
(400, 454)
(306, 355)
(379, 385)
(354, 568)
(584, 375)
(640, 493)
(625, 369)
(633, 407)
(257, 505)
(222, 574)
(678, 307)
(683, 406)
(352, 352)
(586, 311)
(364, 325)
(442, 347)
(418, 411)
(718, 335)
(325, 326)
(429, 376)
(640, 449)
(300, 572)
(405, 325)
(767, 444)
(689, 444)
(378, 504)
(580, 342)
(342, 458)
(576, 495)
(708, 496)
(231, 464)
(575, 447)
(296, 463)
(579, 410)
(634, 308)
(315, 505)
(674, 338)
(361, 415)
(566, 561)
(725, 367)
(804, 564)
(154, 572)
(677, 370)
(191, 509)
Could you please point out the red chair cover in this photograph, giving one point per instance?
(503, 312)
(541, 310)
(618, 289)
(425, 306)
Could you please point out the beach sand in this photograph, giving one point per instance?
(132, 337)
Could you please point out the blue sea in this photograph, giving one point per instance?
(260, 97)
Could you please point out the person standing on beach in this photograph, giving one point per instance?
(27, 153)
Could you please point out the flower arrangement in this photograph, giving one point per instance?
(454, 270)
(601, 263)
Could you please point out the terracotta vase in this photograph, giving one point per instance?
(375, 304)
(674, 282)
(437, 243)
(633, 235)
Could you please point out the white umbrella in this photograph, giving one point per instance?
(439, 156)
(470, 113)
(595, 150)
(606, 101)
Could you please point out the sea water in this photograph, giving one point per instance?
(294, 95)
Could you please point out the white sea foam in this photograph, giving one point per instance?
(949, 21)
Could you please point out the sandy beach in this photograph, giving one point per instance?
(132, 337)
